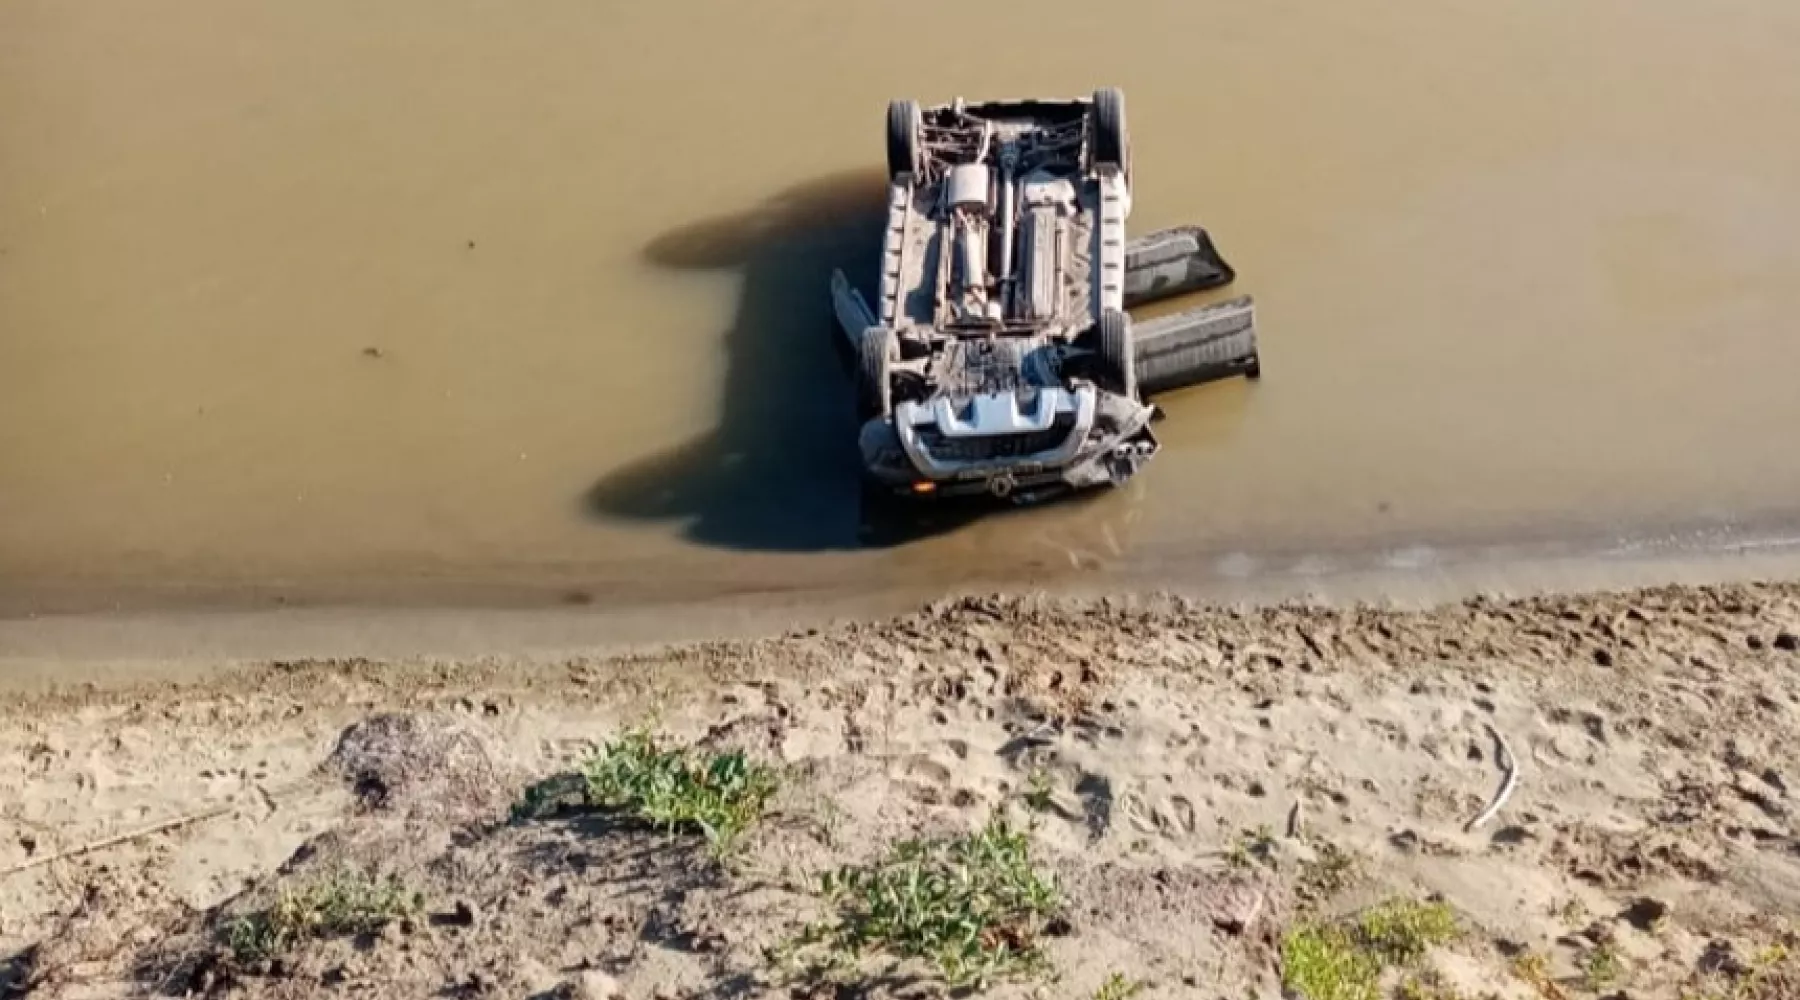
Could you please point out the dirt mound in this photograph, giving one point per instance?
(426, 767)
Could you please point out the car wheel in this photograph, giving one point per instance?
(1111, 139)
(903, 125)
(874, 373)
(1116, 355)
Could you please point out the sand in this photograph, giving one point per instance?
(1200, 781)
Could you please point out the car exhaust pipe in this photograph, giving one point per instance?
(1005, 214)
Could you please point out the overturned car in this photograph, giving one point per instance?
(998, 356)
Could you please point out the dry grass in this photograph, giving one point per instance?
(345, 902)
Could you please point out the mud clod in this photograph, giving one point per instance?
(425, 766)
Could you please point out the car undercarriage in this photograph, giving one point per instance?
(998, 356)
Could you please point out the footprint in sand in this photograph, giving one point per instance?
(1175, 817)
(1387, 730)
(921, 768)
(1591, 723)
(1096, 794)
(1171, 818)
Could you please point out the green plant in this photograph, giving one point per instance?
(1117, 987)
(1401, 931)
(1329, 872)
(717, 795)
(1251, 847)
(1344, 960)
(345, 902)
(1601, 967)
(1754, 983)
(973, 906)
(1039, 792)
(1571, 911)
(545, 797)
(1428, 986)
(830, 819)
(1533, 969)
(1323, 962)
(1766, 961)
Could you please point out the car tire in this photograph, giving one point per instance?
(1111, 138)
(1115, 354)
(874, 373)
(903, 124)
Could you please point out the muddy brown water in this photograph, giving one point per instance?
(332, 300)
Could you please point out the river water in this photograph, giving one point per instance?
(471, 300)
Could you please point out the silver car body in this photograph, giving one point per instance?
(986, 362)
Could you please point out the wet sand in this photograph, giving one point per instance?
(326, 303)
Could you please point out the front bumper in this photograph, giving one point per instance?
(1052, 442)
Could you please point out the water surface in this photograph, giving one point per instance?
(365, 301)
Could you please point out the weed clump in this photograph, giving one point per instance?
(1768, 975)
(1251, 848)
(1040, 793)
(973, 906)
(1344, 960)
(1533, 969)
(1331, 872)
(1430, 986)
(679, 790)
(345, 902)
(1601, 967)
(1118, 987)
(1326, 963)
(1402, 931)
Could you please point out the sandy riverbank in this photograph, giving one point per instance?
(1204, 785)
